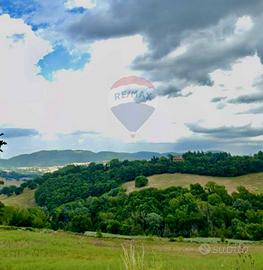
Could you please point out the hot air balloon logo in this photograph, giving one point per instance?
(129, 101)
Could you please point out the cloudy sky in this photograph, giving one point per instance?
(59, 60)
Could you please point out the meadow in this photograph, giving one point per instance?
(253, 182)
(49, 250)
(24, 200)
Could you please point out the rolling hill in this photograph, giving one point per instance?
(24, 200)
(63, 157)
(253, 182)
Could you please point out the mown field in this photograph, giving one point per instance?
(42, 250)
(26, 199)
(253, 182)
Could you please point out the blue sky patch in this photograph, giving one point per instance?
(22, 9)
(60, 59)
(18, 8)
(77, 10)
(36, 27)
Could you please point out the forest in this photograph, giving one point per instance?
(90, 198)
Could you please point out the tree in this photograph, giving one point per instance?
(154, 224)
(214, 199)
(1, 211)
(80, 223)
(2, 142)
(141, 181)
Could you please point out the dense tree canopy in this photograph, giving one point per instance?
(172, 212)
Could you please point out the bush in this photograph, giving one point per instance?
(141, 181)
(99, 234)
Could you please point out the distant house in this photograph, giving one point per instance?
(178, 158)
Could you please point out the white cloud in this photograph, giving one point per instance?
(78, 100)
(22, 91)
(244, 24)
(75, 100)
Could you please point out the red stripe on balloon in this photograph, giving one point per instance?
(132, 80)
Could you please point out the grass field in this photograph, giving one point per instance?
(8, 183)
(42, 250)
(26, 199)
(253, 182)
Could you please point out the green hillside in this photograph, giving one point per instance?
(253, 182)
(44, 250)
(90, 198)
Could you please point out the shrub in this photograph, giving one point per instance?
(141, 181)
(99, 234)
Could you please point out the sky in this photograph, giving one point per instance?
(59, 60)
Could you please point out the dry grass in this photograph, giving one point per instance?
(26, 199)
(253, 182)
(132, 259)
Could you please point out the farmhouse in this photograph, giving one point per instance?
(178, 158)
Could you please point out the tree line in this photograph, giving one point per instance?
(189, 212)
(186, 212)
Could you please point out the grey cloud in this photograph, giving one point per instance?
(164, 21)
(18, 132)
(203, 26)
(227, 132)
(235, 146)
(218, 99)
(259, 83)
(247, 99)
(171, 90)
(257, 110)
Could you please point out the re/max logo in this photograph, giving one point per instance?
(139, 95)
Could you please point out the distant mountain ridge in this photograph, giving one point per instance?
(62, 157)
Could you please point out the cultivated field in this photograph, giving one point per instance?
(26, 199)
(44, 250)
(253, 182)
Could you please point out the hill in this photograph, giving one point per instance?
(90, 198)
(253, 182)
(26, 199)
(63, 157)
(20, 249)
